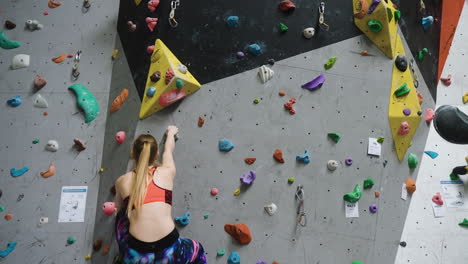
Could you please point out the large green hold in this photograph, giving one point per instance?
(368, 183)
(402, 90)
(357, 262)
(374, 25)
(6, 43)
(464, 223)
(86, 101)
(334, 136)
(413, 161)
(354, 196)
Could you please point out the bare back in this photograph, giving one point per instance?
(152, 221)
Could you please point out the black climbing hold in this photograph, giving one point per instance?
(1, 193)
(271, 62)
(403, 243)
(460, 170)
(419, 113)
(401, 63)
(451, 124)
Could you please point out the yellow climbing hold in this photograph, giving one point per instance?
(137, 2)
(114, 54)
(397, 104)
(101, 170)
(237, 192)
(465, 98)
(87, 257)
(172, 70)
(385, 38)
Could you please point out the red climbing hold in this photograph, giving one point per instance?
(201, 121)
(282, 93)
(289, 106)
(278, 155)
(151, 22)
(169, 75)
(447, 81)
(287, 6)
(250, 161)
(152, 5)
(171, 97)
(239, 232)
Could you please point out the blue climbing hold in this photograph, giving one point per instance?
(255, 49)
(232, 21)
(8, 250)
(432, 154)
(15, 101)
(234, 258)
(18, 172)
(225, 145)
(183, 220)
(427, 22)
(304, 158)
(151, 91)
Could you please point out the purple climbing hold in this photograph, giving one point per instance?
(407, 111)
(349, 161)
(248, 177)
(240, 54)
(373, 6)
(261, 262)
(373, 208)
(315, 83)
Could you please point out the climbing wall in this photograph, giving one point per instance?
(430, 239)
(29, 197)
(353, 102)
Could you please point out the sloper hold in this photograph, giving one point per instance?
(451, 124)
(412, 161)
(385, 38)
(86, 101)
(225, 145)
(18, 172)
(315, 84)
(163, 59)
(398, 104)
(431, 154)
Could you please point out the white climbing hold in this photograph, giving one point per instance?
(182, 68)
(332, 165)
(43, 220)
(309, 32)
(33, 25)
(271, 208)
(20, 61)
(40, 102)
(52, 145)
(265, 74)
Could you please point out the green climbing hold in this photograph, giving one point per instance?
(35, 141)
(380, 139)
(354, 196)
(71, 240)
(256, 101)
(454, 177)
(402, 90)
(357, 262)
(291, 180)
(2, 208)
(412, 161)
(389, 14)
(86, 101)
(206, 216)
(397, 15)
(283, 28)
(422, 53)
(329, 64)
(221, 252)
(334, 136)
(6, 43)
(374, 25)
(179, 84)
(368, 183)
(464, 222)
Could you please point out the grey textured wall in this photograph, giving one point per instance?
(353, 101)
(66, 29)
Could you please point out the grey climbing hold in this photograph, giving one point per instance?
(52, 145)
(40, 102)
(265, 74)
(332, 165)
(33, 24)
(20, 61)
(271, 208)
(308, 33)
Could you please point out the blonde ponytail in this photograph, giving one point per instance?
(140, 182)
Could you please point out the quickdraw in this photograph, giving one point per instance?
(414, 74)
(322, 23)
(172, 21)
(301, 215)
(86, 4)
(423, 6)
(75, 72)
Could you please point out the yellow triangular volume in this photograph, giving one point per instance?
(385, 39)
(398, 104)
(137, 2)
(175, 82)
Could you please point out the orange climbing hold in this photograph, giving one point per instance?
(410, 185)
(282, 93)
(60, 58)
(420, 98)
(363, 8)
(239, 232)
(105, 249)
(8, 217)
(53, 4)
(278, 155)
(169, 75)
(50, 172)
(119, 100)
(377, 194)
(250, 161)
(97, 245)
(201, 121)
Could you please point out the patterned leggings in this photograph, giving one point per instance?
(182, 251)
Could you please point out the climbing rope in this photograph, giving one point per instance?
(172, 21)
(301, 216)
(322, 23)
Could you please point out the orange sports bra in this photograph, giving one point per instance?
(154, 193)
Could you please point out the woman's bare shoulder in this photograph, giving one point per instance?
(124, 178)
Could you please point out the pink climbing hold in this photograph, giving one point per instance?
(214, 191)
(70, 55)
(437, 198)
(404, 128)
(120, 137)
(429, 115)
(46, 13)
(150, 49)
(152, 5)
(151, 22)
(447, 81)
(108, 208)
